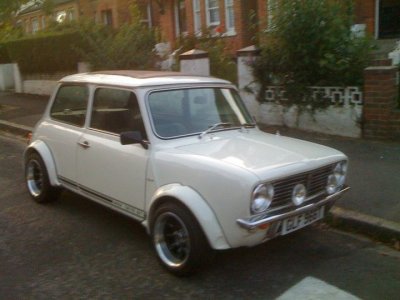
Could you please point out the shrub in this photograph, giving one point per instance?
(129, 47)
(222, 63)
(61, 46)
(45, 54)
(4, 57)
(310, 43)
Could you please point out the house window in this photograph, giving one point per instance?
(27, 26)
(61, 16)
(71, 14)
(180, 17)
(35, 25)
(106, 17)
(197, 16)
(212, 13)
(230, 16)
(145, 12)
(43, 22)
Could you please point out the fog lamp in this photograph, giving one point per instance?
(299, 194)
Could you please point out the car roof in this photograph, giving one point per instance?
(130, 78)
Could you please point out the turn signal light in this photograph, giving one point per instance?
(263, 226)
(29, 138)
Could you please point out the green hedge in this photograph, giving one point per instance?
(4, 57)
(46, 54)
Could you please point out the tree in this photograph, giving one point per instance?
(310, 43)
(8, 8)
(48, 7)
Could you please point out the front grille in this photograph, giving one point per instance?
(315, 182)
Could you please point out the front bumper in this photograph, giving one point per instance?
(252, 223)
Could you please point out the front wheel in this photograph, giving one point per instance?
(178, 239)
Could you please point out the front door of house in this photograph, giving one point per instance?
(389, 19)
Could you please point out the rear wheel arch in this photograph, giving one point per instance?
(41, 149)
(37, 179)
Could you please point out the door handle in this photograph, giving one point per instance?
(84, 144)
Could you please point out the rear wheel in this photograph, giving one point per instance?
(178, 239)
(37, 180)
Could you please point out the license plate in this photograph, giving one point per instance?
(299, 221)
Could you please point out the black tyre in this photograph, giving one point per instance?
(37, 180)
(178, 239)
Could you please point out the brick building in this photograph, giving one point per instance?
(382, 17)
(232, 19)
(34, 17)
(228, 18)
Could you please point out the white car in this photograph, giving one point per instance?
(181, 155)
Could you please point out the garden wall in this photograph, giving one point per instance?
(342, 117)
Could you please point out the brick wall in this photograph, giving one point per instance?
(365, 14)
(381, 116)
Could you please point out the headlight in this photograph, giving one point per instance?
(337, 179)
(262, 198)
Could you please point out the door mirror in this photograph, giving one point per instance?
(133, 137)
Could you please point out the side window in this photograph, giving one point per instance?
(70, 105)
(116, 111)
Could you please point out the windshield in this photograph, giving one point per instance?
(194, 110)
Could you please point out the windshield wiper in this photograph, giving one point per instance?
(214, 127)
(248, 125)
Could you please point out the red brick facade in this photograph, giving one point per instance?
(243, 31)
(365, 14)
(381, 114)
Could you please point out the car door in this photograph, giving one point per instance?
(64, 128)
(108, 171)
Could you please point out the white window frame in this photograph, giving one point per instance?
(177, 21)
(197, 17)
(230, 6)
(148, 18)
(208, 9)
(70, 14)
(43, 22)
(35, 24)
(105, 17)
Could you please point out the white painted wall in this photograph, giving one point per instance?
(199, 66)
(39, 87)
(246, 83)
(6, 77)
(336, 120)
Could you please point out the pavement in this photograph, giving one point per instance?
(371, 207)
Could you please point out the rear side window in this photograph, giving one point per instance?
(70, 105)
(116, 111)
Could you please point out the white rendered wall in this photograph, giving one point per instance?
(6, 77)
(39, 87)
(199, 66)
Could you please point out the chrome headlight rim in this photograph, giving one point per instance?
(262, 197)
(337, 178)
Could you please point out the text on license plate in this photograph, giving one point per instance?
(299, 221)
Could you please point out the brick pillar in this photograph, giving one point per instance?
(195, 62)
(380, 101)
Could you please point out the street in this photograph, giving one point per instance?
(75, 248)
